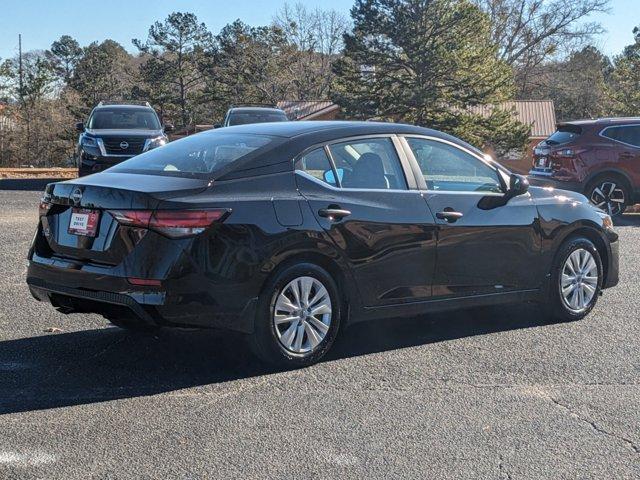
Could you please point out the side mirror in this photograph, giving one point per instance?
(330, 178)
(217, 125)
(168, 127)
(80, 126)
(518, 185)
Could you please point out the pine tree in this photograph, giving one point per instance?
(426, 62)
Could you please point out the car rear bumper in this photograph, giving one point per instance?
(539, 179)
(75, 291)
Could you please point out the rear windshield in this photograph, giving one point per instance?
(564, 134)
(121, 118)
(199, 155)
(244, 118)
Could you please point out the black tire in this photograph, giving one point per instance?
(606, 191)
(264, 341)
(554, 304)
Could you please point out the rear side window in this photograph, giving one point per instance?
(317, 164)
(565, 134)
(369, 163)
(205, 153)
(629, 134)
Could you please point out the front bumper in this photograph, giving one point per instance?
(540, 179)
(89, 164)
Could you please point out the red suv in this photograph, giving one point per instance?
(599, 158)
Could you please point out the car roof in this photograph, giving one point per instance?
(602, 121)
(122, 106)
(255, 109)
(325, 128)
(296, 137)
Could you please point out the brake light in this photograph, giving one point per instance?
(172, 223)
(44, 208)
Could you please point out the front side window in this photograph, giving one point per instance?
(449, 168)
(123, 119)
(369, 163)
(202, 154)
(317, 164)
(629, 134)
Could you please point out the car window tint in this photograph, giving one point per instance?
(564, 134)
(204, 153)
(446, 167)
(627, 134)
(119, 118)
(316, 163)
(370, 163)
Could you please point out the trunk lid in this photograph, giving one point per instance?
(101, 193)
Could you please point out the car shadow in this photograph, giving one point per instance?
(627, 220)
(99, 365)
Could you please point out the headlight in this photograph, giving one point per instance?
(154, 142)
(607, 222)
(87, 141)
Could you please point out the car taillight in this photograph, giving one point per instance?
(172, 223)
(44, 208)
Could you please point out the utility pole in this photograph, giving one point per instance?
(20, 85)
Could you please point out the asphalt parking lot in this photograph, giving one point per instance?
(494, 393)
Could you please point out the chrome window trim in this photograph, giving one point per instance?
(601, 134)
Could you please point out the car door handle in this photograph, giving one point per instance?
(333, 213)
(449, 216)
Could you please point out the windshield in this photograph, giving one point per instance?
(205, 153)
(243, 118)
(125, 119)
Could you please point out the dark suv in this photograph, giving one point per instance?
(116, 132)
(252, 114)
(600, 158)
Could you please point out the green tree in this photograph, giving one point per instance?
(253, 65)
(176, 49)
(426, 62)
(63, 55)
(624, 84)
(105, 72)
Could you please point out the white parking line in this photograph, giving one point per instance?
(26, 459)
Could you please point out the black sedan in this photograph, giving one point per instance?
(290, 231)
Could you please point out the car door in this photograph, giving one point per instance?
(626, 157)
(359, 191)
(485, 245)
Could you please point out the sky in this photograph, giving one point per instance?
(42, 21)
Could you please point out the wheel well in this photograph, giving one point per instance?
(329, 265)
(595, 238)
(609, 174)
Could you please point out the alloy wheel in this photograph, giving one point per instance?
(579, 280)
(302, 315)
(608, 196)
